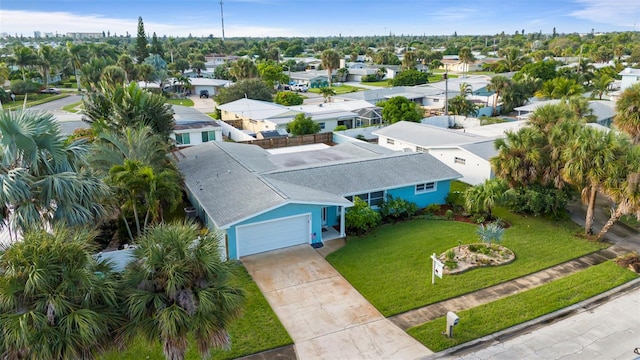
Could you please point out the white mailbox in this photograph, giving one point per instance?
(452, 320)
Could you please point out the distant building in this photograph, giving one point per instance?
(37, 34)
(79, 35)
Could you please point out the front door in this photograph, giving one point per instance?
(324, 217)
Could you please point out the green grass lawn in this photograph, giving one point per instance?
(343, 89)
(72, 107)
(528, 305)
(32, 99)
(390, 266)
(183, 102)
(259, 329)
(383, 83)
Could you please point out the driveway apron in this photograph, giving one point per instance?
(325, 316)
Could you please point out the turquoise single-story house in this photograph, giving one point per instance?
(263, 201)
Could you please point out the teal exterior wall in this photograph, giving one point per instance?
(425, 199)
(283, 211)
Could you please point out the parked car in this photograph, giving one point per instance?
(50, 91)
(299, 87)
(204, 94)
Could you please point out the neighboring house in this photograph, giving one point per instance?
(311, 78)
(195, 132)
(262, 201)
(603, 110)
(629, 77)
(259, 116)
(466, 153)
(211, 85)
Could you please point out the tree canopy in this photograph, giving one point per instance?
(400, 108)
(254, 89)
(303, 125)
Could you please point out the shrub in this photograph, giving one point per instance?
(449, 214)
(20, 87)
(451, 255)
(432, 209)
(361, 217)
(537, 201)
(490, 233)
(451, 264)
(410, 77)
(288, 98)
(393, 209)
(369, 78)
(340, 128)
(455, 199)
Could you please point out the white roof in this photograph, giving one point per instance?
(256, 109)
(333, 106)
(427, 135)
(496, 130)
(629, 71)
(208, 82)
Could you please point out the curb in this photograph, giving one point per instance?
(539, 322)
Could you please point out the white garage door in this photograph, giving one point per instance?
(274, 234)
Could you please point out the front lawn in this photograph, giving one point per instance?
(183, 102)
(516, 309)
(343, 89)
(32, 100)
(382, 83)
(391, 267)
(258, 330)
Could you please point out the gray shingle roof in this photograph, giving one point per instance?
(484, 149)
(356, 176)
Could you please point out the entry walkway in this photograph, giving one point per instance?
(324, 315)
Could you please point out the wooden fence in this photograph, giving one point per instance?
(326, 138)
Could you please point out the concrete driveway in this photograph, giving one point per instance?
(326, 317)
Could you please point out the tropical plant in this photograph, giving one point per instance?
(409, 60)
(126, 63)
(327, 93)
(330, 61)
(460, 105)
(601, 86)
(361, 217)
(559, 88)
(56, 300)
(24, 57)
(466, 57)
(288, 98)
(484, 197)
(46, 59)
(627, 116)
(491, 233)
(244, 68)
(255, 89)
(45, 180)
(120, 107)
(498, 84)
(397, 208)
(177, 287)
(303, 125)
(410, 77)
(113, 75)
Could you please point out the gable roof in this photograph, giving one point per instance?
(484, 149)
(426, 135)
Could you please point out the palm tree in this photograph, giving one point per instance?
(435, 64)
(244, 68)
(327, 93)
(145, 72)
(56, 300)
(409, 60)
(178, 287)
(466, 57)
(77, 52)
(589, 160)
(484, 197)
(558, 88)
(512, 61)
(113, 75)
(91, 73)
(497, 84)
(627, 116)
(46, 59)
(601, 85)
(127, 64)
(330, 61)
(623, 186)
(23, 57)
(466, 89)
(45, 180)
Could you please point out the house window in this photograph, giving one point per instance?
(208, 136)
(373, 199)
(421, 149)
(436, 100)
(426, 187)
(390, 141)
(183, 139)
(321, 125)
(459, 160)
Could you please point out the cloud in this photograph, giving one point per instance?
(624, 13)
(455, 14)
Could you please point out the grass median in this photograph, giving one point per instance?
(528, 305)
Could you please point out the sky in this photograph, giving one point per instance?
(304, 18)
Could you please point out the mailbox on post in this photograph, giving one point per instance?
(452, 320)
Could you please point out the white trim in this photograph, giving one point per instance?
(418, 192)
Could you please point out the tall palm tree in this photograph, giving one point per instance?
(46, 59)
(519, 156)
(409, 60)
(56, 300)
(627, 116)
(330, 61)
(623, 186)
(589, 160)
(45, 180)
(23, 57)
(497, 84)
(78, 55)
(466, 57)
(601, 85)
(127, 64)
(178, 287)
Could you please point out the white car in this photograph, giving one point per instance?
(299, 87)
(50, 91)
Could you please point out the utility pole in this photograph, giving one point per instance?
(222, 18)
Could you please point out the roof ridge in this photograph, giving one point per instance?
(341, 162)
(235, 158)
